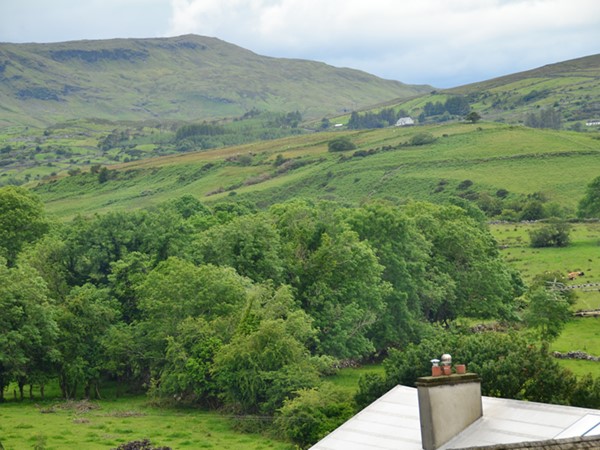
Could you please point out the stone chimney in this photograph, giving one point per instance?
(447, 405)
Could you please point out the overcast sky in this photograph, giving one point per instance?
(444, 43)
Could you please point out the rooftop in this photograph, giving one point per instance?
(392, 423)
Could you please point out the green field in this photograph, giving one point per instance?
(109, 423)
(519, 160)
(583, 254)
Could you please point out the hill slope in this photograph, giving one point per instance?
(571, 89)
(186, 77)
(496, 165)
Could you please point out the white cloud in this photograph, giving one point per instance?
(440, 42)
(430, 39)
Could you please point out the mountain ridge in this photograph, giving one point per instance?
(186, 77)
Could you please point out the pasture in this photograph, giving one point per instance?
(519, 160)
(57, 425)
(583, 254)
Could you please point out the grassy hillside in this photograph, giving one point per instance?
(488, 157)
(570, 88)
(186, 77)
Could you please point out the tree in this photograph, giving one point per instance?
(457, 105)
(259, 370)
(189, 357)
(555, 233)
(340, 144)
(510, 366)
(473, 117)
(469, 278)
(177, 290)
(314, 413)
(29, 330)
(548, 312)
(22, 220)
(342, 289)
(250, 244)
(404, 253)
(84, 318)
(589, 206)
(422, 139)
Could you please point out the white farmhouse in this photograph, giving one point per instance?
(405, 121)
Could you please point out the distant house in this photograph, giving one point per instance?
(405, 122)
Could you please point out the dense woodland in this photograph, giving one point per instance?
(249, 310)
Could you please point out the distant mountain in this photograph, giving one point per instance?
(188, 77)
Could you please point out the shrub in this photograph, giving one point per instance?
(340, 144)
(553, 234)
(313, 414)
(422, 139)
(465, 184)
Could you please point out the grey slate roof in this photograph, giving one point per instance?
(392, 423)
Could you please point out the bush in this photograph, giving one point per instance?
(553, 234)
(422, 139)
(313, 414)
(465, 184)
(340, 144)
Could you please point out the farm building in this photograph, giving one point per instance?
(405, 121)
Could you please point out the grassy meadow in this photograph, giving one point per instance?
(54, 425)
(583, 254)
(492, 156)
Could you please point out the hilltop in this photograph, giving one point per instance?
(569, 91)
(181, 78)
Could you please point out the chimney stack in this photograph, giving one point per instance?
(447, 405)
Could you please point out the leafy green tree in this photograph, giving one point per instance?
(340, 144)
(48, 257)
(29, 330)
(256, 372)
(423, 138)
(250, 244)
(22, 220)
(589, 206)
(457, 105)
(126, 277)
(547, 312)
(177, 290)
(469, 276)
(84, 318)
(533, 210)
(188, 361)
(510, 366)
(342, 290)
(314, 413)
(473, 117)
(92, 245)
(555, 233)
(404, 253)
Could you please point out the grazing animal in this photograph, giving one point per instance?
(573, 275)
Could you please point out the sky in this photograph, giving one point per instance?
(443, 43)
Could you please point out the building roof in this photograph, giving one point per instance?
(392, 422)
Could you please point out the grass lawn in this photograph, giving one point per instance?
(108, 423)
(347, 379)
(583, 254)
(581, 334)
